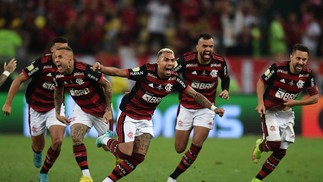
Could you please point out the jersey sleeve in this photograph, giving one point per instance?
(33, 69)
(270, 74)
(180, 65)
(311, 85)
(93, 76)
(138, 73)
(180, 84)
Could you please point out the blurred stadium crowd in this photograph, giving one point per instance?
(110, 29)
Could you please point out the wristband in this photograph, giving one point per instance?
(7, 73)
(213, 107)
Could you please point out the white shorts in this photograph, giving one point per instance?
(280, 126)
(39, 122)
(79, 116)
(187, 118)
(133, 128)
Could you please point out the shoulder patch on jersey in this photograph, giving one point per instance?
(30, 67)
(267, 72)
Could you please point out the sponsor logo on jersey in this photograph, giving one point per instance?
(202, 86)
(180, 81)
(136, 69)
(48, 85)
(191, 65)
(312, 82)
(302, 75)
(93, 77)
(59, 76)
(281, 71)
(49, 74)
(291, 83)
(78, 73)
(151, 85)
(215, 65)
(79, 92)
(136, 73)
(282, 94)
(47, 67)
(151, 99)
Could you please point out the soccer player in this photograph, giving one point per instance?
(92, 94)
(40, 99)
(201, 70)
(277, 90)
(134, 126)
(8, 69)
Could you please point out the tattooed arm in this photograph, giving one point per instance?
(200, 99)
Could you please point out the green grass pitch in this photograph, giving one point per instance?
(221, 160)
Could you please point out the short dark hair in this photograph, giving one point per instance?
(59, 40)
(300, 47)
(204, 36)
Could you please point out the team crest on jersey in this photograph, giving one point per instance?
(79, 81)
(168, 87)
(214, 73)
(300, 84)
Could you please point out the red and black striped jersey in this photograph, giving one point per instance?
(202, 78)
(40, 90)
(282, 85)
(148, 91)
(83, 86)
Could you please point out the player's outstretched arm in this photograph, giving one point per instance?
(111, 71)
(202, 100)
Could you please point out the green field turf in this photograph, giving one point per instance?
(221, 160)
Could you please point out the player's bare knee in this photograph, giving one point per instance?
(179, 148)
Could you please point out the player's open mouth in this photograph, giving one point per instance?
(207, 55)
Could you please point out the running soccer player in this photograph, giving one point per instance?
(41, 110)
(201, 70)
(134, 126)
(92, 94)
(277, 90)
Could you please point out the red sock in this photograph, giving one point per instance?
(51, 157)
(80, 155)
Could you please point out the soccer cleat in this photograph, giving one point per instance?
(170, 179)
(37, 159)
(117, 161)
(43, 177)
(86, 179)
(99, 141)
(256, 153)
(255, 180)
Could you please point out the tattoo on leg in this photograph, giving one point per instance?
(142, 143)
